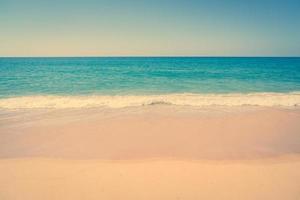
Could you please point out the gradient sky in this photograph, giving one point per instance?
(153, 27)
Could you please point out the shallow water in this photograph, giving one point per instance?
(147, 75)
(138, 81)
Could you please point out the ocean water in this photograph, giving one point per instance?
(134, 81)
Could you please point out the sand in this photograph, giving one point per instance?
(159, 132)
(29, 179)
(154, 153)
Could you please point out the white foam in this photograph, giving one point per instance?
(255, 99)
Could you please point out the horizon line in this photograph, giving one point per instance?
(157, 56)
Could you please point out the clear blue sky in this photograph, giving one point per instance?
(153, 27)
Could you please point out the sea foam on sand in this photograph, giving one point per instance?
(117, 101)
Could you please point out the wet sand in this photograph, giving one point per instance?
(158, 132)
(157, 152)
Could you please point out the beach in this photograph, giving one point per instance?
(149, 100)
(152, 152)
(149, 128)
(149, 179)
(151, 132)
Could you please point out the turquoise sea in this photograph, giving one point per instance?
(154, 79)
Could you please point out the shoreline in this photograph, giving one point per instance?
(265, 99)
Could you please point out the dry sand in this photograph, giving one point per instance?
(30, 179)
(155, 153)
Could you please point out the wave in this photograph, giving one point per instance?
(255, 99)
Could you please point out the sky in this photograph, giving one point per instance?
(149, 28)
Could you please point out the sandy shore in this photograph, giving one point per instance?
(155, 153)
(30, 179)
(159, 132)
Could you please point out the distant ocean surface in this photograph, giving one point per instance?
(135, 81)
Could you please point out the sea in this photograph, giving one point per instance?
(76, 82)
